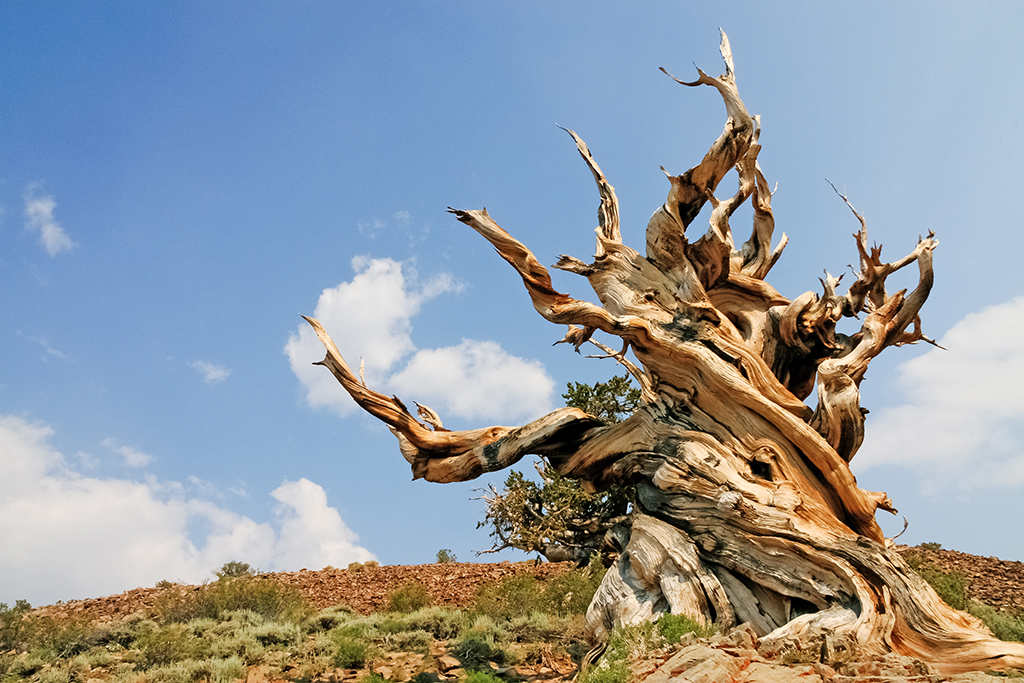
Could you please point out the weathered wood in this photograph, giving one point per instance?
(746, 508)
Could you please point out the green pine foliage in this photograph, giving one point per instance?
(534, 517)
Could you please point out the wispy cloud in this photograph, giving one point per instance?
(399, 220)
(961, 425)
(50, 350)
(39, 218)
(372, 316)
(125, 534)
(212, 374)
(131, 456)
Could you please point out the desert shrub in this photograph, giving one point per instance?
(474, 653)
(266, 597)
(514, 596)
(373, 678)
(572, 592)
(409, 598)
(951, 586)
(234, 570)
(630, 642)
(13, 624)
(482, 677)
(210, 670)
(328, 619)
(442, 624)
(276, 633)
(351, 653)
(410, 641)
(536, 627)
(357, 567)
(1003, 626)
(672, 627)
(932, 545)
(170, 644)
(444, 556)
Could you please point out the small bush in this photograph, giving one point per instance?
(357, 567)
(572, 592)
(1003, 626)
(264, 596)
(444, 556)
(482, 677)
(514, 596)
(234, 570)
(951, 587)
(672, 627)
(170, 644)
(931, 545)
(409, 598)
(351, 653)
(474, 653)
(13, 624)
(442, 624)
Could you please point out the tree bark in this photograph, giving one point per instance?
(747, 510)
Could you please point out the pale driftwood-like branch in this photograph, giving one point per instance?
(608, 212)
(746, 509)
(447, 456)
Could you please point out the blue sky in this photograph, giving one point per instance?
(180, 181)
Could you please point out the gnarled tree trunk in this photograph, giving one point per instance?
(746, 507)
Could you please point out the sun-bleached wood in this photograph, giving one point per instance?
(747, 510)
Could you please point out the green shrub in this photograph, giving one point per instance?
(482, 677)
(266, 597)
(170, 644)
(672, 627)
(191, 671)
(514, 596)
(474, 653)
(13, 624)
(442, 624)
(351, 653)
(951, 587)
(409, 598)
(234, 570)
(572, 592)
(444, 556)
(1003, 626)
(932, 545)
(410, 641)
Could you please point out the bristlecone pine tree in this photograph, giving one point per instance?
(746, 507)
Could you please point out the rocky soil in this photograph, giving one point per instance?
(736, 657)
(364, 589)
(999, 583)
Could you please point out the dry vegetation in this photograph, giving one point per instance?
(498, 622)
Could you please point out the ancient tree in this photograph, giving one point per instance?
(746, 509)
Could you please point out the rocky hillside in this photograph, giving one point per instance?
(999, 583)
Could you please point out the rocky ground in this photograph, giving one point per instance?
(999, 583)
(364, 588)
(736, 657)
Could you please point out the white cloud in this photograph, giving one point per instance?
(312, 532)
(132, 457)
(39, 218)
(212, 374)
(372, 315)
(476, 379)
(123, 534)
(962, 424)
